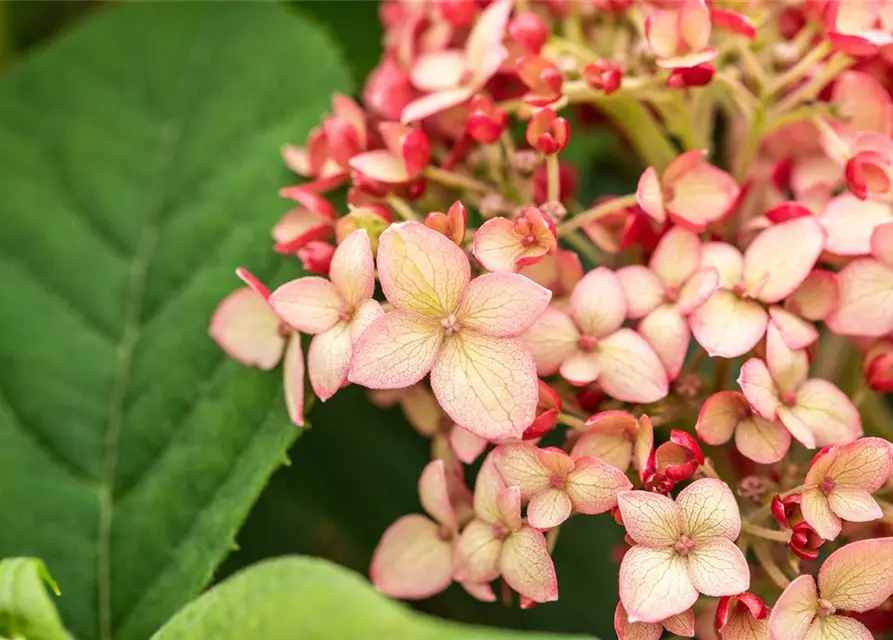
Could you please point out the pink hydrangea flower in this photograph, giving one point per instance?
(869, 170)
(312, 221)
(556, 484)
(681, 549)
(728, 413)
(682, 624)
(506, 245)
(866, 290)
(416, 555)
(840, 482)
(453, 76)
(619, 439)
(815, 411)
(498, 543)
(336, 312)
(666, 292)
(691, 192)
(589, 343)
(681, 38)
(859, 28)
(855, 578)
(779, 259)
(248, 329)
(461, 330)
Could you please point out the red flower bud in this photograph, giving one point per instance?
(548, 407)
(451, 224)
(684, 78)
(459, 13)
(787, 211)
(547, 132)
(485, 121)
(604, 75)
(877, 365)
(317, 256)
(733, 21)
(542, 77)
(529, 30)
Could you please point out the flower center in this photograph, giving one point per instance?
(557, 482)
(789, 398)
(827, 485)
(826, 608)
(500, 531)
(450, 324)
(671, 293)
(528, 241)
(345, 314)
(444, 534)
(284, 330)
(588, 343)
(683, 545)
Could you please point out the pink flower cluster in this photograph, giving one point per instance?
(702, 358)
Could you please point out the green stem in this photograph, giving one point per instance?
(640, 127)
(764, 555)
(765, 533)
(595, 213)
(553, 179)
(572, 421)
(402, 208)
(455, 180)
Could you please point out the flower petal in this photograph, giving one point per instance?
(718, 568)
(788, 367)
(668, 333)
(816, 509)
(702, 195)
(548, 509)
(438, 70)
(794, 610)
(682, 624)
(697, 290)
(762, 441)
(796, 332)
(477, 553)
(759, 388)
(411, 561)
(488, 31)
(882, 244)
(772, 270)
(496, 245)
(520, 467)
(630, 369)
(709, 510)
(365, 314)
(293, 380)
(467, 446)
(838, 628)
(310, 305)
(246, 328)
(859, 576)
(866, 299)
(816, 297)
(328, 360)
(650, 519)
(865, 464)
(627, 630)
(502, 304)
(849, 223)
(396, 351)
(580, 368)
(488, 385)
(598, 304)
(527, 567)
(854, 505)
(676, 257)
(828, 413)
(352, 270)
(433, 103)
(654, 584)
(649, 195)
(487, 487)
(508, 504)
(552, 339)
(381, 165)
(743, 626)
(606, 439)
(421, 270)
(435, 496)
(642, 289)
(593, 485)
(728, 326)
(727, 261)
(719, 416)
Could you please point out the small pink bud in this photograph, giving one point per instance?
(869, 171)
(451, 224)
(604, 75)
(485, 121)
(877, 366)
(459, 13)
(543, 79)
(547, 409)
(805, 542)
(317, 256)
(547, 132)
(687, 77)
(529, 30)
(689, 442)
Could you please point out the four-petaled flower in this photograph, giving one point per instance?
(507, 245)
(461, 330)
(682, 548)
(728, 412)
(619, 439)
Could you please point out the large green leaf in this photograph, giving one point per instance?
(26, 610)
(138, 167)
(312, 599)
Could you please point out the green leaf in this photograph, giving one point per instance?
(309, 598)
(26, 610)
(139, 165)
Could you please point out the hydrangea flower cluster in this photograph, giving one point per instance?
(695, 357)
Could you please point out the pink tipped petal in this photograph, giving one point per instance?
(488, 385)
(859, 576)
(434, 103)
(796, 332)
(668, 333)
(549, 509)
(866, 300)
(477, 553)
(648, 195)
(411, 561)
(581, 368)
(435, 496)
(799, 429)
(789, 367)
(662, 32)
(762, 441)
(353, 270)
(817, 297)
(598, 304)
(526, 566)
(594, 484)
(293, 380)
(247, 330)
(850, 222)
(438, 70)
(772, 270)
(615, 449)
(328, 360)
(396, 351)
(311, 305)
(728, 326)
(866, 464)
(726, 259)
(508, 504)
(703, 194)
(854, 505)
(479, 591)
(627, 630)
(719, 416)
(487, 487)
(630, 369)
(695, 24)
(381, 165)
(817, 512)
(421, 270)
(489, 30)
(743, 626)
(795, 610)
(650, 519)
(709, 510)
(467, 446)
(552, 339)
(676, 257)
(502, 304)
(759, 388)
(368, 312)
(655, 584)
(828, 412)
(682, 624)
(642, 289)
(882, 244)
(838, 628)
(520, 467)
(718, 568)
(697, 290)
(496, 245)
